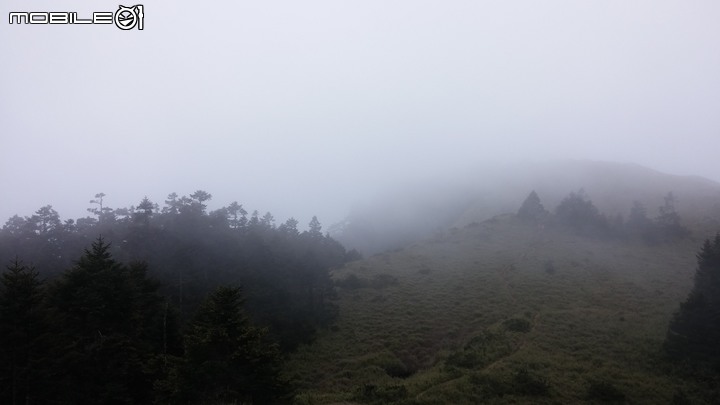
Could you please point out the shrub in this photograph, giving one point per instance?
(517, 325)
(390, 364)
(488, 386)
(380, 394)
(383, 280)
(525, 383)
(352, 282)
(605, 391)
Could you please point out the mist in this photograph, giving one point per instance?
(468, 202)
(310, 108)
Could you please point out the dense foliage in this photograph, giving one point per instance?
(285, 272)
(226, 358)
(102, 333)
(147, 313)
(23, 334)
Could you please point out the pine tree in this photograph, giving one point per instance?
(226, 358)
(579, 213)
(532, 209)
(314, 228)
(668, 220)
(23, 328)
(114, 326)
(694, 331)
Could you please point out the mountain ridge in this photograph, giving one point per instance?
(416, 212)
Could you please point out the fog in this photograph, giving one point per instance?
(308, 108)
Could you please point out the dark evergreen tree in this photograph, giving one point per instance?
(532, 209)
(105, 215)
(172, 205)
(289, 227)
(639, 225)
(579, 213)
(238, 215)
(638, 219)
(23, 335)
(668, 220)
(268, 221)
(196, 203)
(694, 331)
(114, 326)
(314, 228)
(227, 359)
(144, 211)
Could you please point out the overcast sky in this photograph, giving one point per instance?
(304, 107)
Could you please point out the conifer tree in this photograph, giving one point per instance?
(314, 228)
(668, 220)
(532, 209)
(694, 331)
(23, 328)
(112, 324)
(226, 358)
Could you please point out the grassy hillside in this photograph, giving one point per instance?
(504, 312)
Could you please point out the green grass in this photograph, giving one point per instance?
(474, 315)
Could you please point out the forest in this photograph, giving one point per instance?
(150, 304)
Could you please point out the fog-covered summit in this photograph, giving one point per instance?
(415, 212)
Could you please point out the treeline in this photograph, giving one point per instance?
(153, 311)
(578, 212)
(190, 251)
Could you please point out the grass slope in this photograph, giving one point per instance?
(503, 312)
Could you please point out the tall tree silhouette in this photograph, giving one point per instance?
(112, 324)
(694, 331)
(226, 358)
(23, 333)
(532, 209)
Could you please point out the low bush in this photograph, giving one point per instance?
(380, 394)
(383, 280)
(525, 383)
(605, 391)
(517, 325)
(351, 282)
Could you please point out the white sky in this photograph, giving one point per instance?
(304, 107)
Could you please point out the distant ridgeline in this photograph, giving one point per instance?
(579, 213)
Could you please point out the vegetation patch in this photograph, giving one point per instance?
(517, 325)
(605, 391)
(393, 366)
(482, 350)
(380, 281)
(380, 394)
(474, 332)
(526, 383)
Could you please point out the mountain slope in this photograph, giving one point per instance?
(414, 212)
(503, 312)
